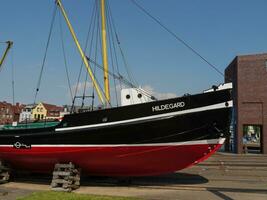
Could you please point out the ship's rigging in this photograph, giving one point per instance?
(90, 60)
(102, 36)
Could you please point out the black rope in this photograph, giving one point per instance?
(176, 36)
(84, 90)
(119, 77)
(90, 52)
(13, 77)
(114, 47)
(81, 66)
(132, 83)
(100, 88)
(128, 71)
(110, 33)
(95, 56)
(122, 79)
(65, 57)
(46, 49)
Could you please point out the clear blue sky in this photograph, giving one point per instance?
(219, 30)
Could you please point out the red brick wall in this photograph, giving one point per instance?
(249, 75)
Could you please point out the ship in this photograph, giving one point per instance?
(142, 137)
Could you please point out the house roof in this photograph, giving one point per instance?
(31, 106)
(13, 108)
(51, 107)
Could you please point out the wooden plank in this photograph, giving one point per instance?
(61, 181)
(55, 185)
(77, 183)
(74, 187)
(74, 178)
(60, 189)
(60, 173)
(69, 165)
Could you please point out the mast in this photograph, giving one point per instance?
(86, 63)
(9, 45)
(104, 50)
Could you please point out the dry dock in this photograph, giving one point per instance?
(223, 176)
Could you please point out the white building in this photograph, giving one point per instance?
(26, 114)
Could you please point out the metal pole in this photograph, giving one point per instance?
(104, 50)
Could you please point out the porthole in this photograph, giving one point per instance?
(128, 96)
(139, 96)
(104, 119)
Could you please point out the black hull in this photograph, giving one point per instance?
(136, 124)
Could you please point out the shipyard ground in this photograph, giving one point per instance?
(223, 176)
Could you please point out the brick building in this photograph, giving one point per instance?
(248, 74)
(9, 113)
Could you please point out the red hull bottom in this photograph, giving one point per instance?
(116, 160)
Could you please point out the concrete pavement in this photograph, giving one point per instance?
(223, 176)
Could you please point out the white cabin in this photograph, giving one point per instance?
(130, 96)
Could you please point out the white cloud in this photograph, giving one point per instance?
(158, 95)
(147, 88)
(80, 87)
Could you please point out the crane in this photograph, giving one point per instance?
(9, 45)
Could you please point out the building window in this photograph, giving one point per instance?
(252, 138)
(266, 65)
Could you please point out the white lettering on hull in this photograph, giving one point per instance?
(168, 106)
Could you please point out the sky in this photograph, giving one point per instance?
(218, 30)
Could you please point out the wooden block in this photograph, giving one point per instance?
(69, 165)
(60, 189)
(74, 187)
(55, 185)
(64, 185)
(65, 177)
(75, 171)
(4, 173)
(4, 176)
(77, 183)
(61, 181)
(74, 178)
(55, 177)
(60, 173)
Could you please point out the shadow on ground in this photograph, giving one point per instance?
(165, 180)
(170, 179)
